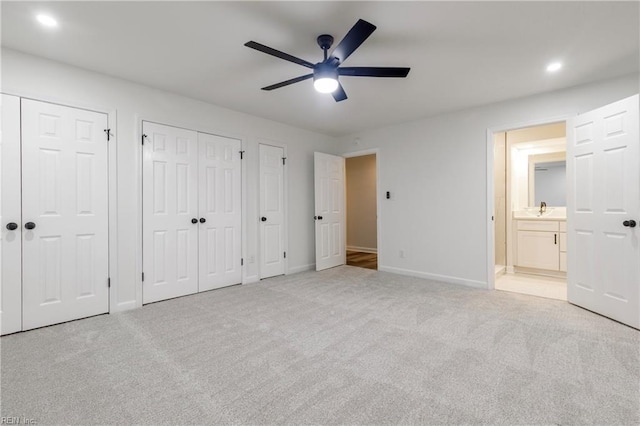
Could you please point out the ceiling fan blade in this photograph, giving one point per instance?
(354, 38)
(278, 54)
(374, 71)
(339, 94)
(288, 82)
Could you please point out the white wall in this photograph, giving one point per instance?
(39, 78)
(436, 170)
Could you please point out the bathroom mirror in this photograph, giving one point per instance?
(548, 179)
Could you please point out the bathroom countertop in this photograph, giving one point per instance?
(525, 216)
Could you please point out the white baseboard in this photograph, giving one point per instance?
(124, 306)
(362, 249)
(250, 279)
(302, 268)
(435, 277)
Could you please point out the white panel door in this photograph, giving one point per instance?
(271, 211)
(10, 217)
(170, 212)
(330, 216)
(603, 202)
(64, 214)
(220, 249)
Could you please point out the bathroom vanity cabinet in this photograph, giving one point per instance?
(541, 244)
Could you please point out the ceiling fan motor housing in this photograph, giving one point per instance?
(325, 41)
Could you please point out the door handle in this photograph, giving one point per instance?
(264, 219)
(319, 217)
(29, 225)
(555, 238)
(12, 226)
(194, 220)
(630, 223)
(203, 220)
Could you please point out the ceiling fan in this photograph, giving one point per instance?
(325, 74)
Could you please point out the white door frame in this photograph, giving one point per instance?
(112, 152)
(379, 196)
(197, 127)
(491, 273)
(285, 196)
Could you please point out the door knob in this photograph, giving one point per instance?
(203, 220)
(194, 220)
(319, 217)
(29, 225)
(264, 219)
(12, 226)
(630, 223)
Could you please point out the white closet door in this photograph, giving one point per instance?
(603, 211)
(330, 211)
(65, 196)
(220, 249)
(271, 211)
(170, 206)
(10, 213)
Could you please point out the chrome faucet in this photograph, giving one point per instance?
(543, 207)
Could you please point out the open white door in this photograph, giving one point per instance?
(603, 211)
(10, 214)
(330, 215)
(271, 211)
(65, 246)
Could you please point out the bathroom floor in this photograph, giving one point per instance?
(534, 285)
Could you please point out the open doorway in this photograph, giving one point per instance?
(361, 211)
(530, 210)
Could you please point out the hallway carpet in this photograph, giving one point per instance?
(342, 346)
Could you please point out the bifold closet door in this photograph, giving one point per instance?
(170, 212)
(64, 214)
(11, 214)
(220, 206)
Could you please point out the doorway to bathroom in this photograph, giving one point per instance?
(529, 174)
(362, 209)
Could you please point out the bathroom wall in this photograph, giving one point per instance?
(361, 203)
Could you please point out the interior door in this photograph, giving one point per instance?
(330, 216)
(603, 211)
(271, 211)
(10, 214)
(65, 214)
(220, 250)
(170, 212)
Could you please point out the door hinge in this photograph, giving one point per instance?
(109, 282)
(285, 254)
(241, 155)
(143, 276)
(284, 160)
(241, 262)
(143, 138)
(108, 132)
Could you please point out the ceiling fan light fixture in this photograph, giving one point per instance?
(325, 78)
(325, 84)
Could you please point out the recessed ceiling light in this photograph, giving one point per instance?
(47, 20)
(554, 66)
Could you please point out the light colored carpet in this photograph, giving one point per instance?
(343, 346)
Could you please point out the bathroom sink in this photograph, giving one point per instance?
(535, 211)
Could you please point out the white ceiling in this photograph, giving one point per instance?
(461, 54)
